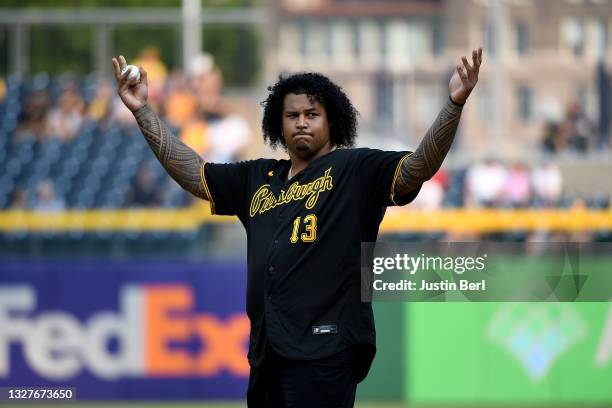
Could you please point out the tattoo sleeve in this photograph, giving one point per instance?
(432, 150)
(182, 163)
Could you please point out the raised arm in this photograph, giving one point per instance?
(182, 163)
(429, 155)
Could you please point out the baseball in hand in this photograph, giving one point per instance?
(134, 75)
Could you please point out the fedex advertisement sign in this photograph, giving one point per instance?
(153, 328)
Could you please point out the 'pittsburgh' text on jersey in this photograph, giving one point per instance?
(264, 198)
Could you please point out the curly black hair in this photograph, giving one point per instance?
(341, 115)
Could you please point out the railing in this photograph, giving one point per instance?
(191, 219)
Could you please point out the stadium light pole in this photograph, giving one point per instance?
(102, 45)
(20, 43)
(192, 30)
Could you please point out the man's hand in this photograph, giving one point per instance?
(465, 77)
(134, 95)
(184, 165)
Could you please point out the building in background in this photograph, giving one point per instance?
(394, 59)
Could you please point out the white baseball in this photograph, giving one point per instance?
(134, 75)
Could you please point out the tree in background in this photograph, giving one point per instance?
(236, 48)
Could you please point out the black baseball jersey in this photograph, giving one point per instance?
(304, 242)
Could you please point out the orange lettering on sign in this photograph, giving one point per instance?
(161, 329)
(224, 345)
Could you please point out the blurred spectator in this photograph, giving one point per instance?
(229, 137)
(156, 74)
(227, 134)
(33, 121)
(181, 105)
(196, 135)
(19, 199)
(2, 89)
(432, 192)
(100, 107)
(574, 133)
(551, 141)
(46, 201)
(144, 192)
(65, 120)
(547, 184)
(576, 130)
(518, 186)
(485, 184)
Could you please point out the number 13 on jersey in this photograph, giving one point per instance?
(310, 227)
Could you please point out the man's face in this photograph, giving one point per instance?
(305, 127)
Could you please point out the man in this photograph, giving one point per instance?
(312, 339)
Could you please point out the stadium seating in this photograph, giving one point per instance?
(95, 170)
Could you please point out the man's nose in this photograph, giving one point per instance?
(301, 123)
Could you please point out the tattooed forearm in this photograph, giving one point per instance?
(182, 163)
(428, 157)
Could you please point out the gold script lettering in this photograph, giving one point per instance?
(264, 199)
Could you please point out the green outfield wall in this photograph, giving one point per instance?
(385, 382)
(508, 353)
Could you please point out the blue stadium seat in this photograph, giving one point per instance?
(40, 81)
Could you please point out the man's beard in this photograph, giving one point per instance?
(302, 147)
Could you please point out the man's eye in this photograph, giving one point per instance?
(312, 115)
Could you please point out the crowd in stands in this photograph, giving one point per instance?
(490, 183)
(69, 142)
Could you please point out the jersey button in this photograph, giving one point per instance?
(276, 241)
(271, 269)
